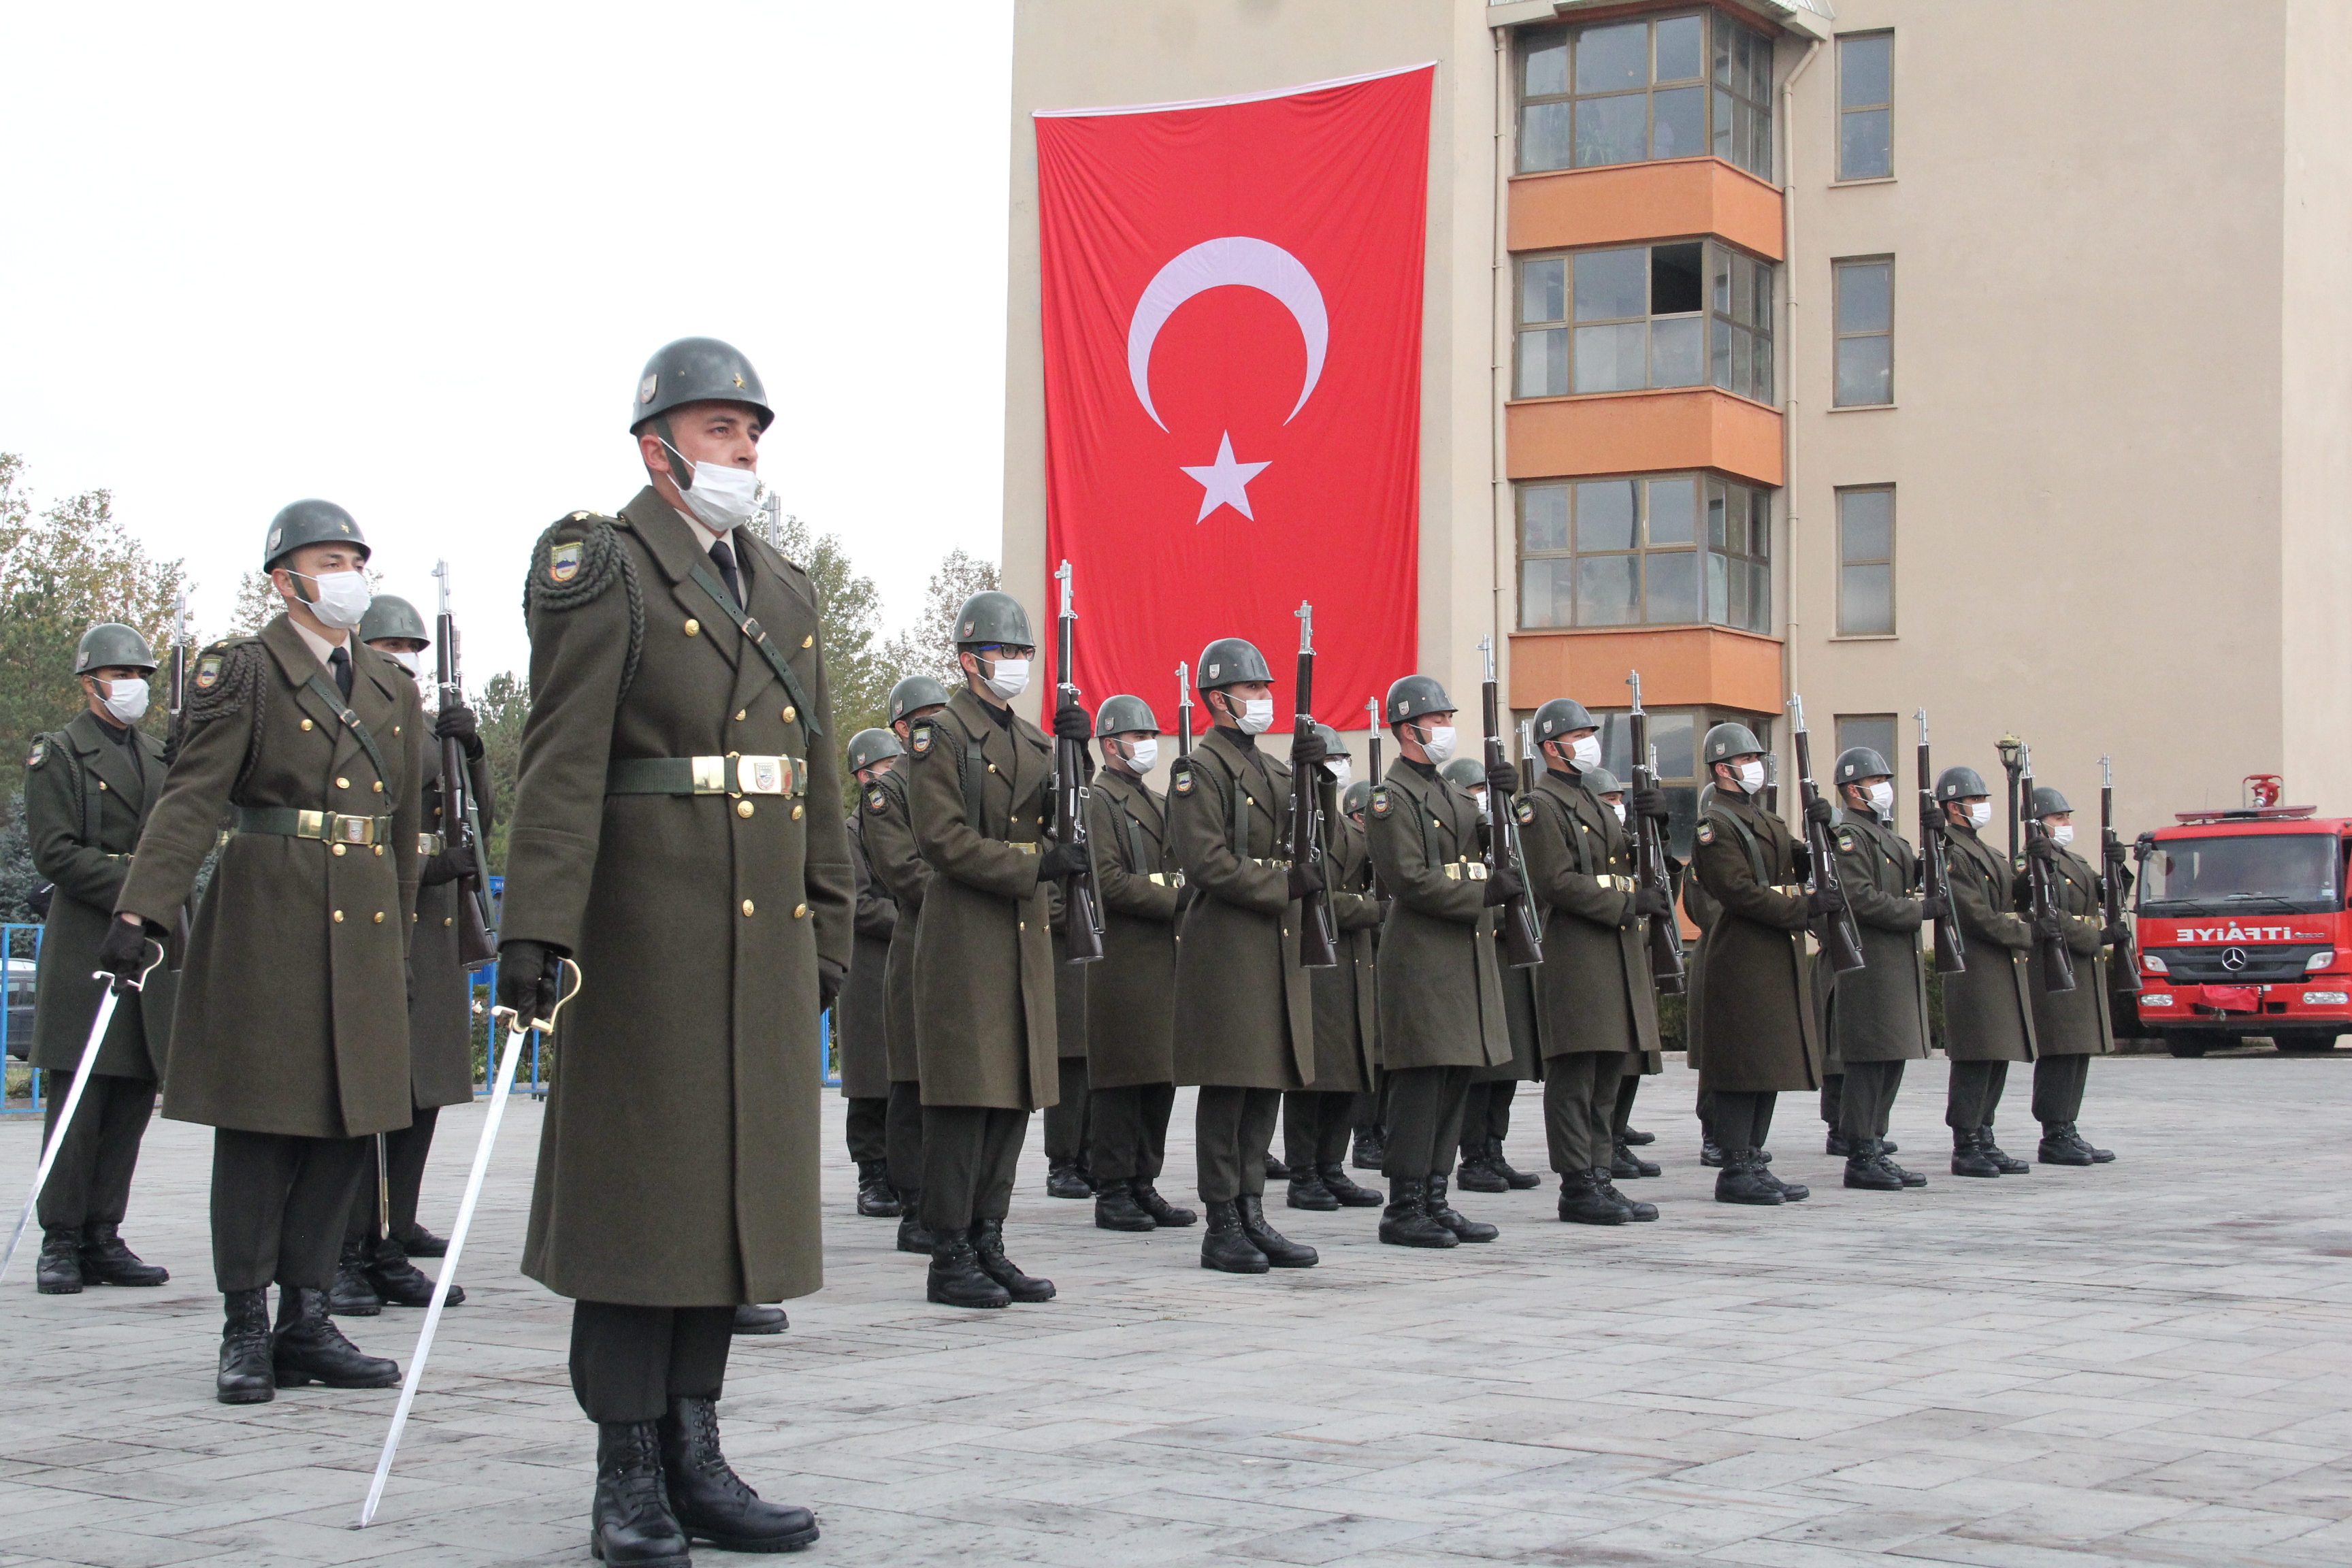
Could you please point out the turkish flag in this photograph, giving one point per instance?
(1232, 296)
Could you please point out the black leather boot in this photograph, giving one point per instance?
(1711, 1154)
(308, 1348)
(1064, 1180)
(1277, 1169)
(1581, 1203)
(1634, 1135)
(1116, 1209)
(2098, 1156)
(245, 1377)
(1224, 1247)
(1308, 1191)
(2056, 1149)
(630, 1524)
(1279, 1250)
(912, 1237)
(400, 1282)
(1969, 1158)
(1743, 1181)
(1351, 1195)
(1635, 1209)
(751, 1317)
(1405, 1221)
(1908, 1178)
(1625, 1166)
(875, 1198)
(956, 1278)
(1165, 1214)
(988, 1244)
(352, 1295)
(1835, 1143)
(1519, 1181)
(1475, 1173)
(1463, 1228)
(709, 1499)
(1791, 1192)
(106, 1261)
(1371, 1150)
(58, 1273)
(418, 1242)
(2011, 1165)
(1867, 1170)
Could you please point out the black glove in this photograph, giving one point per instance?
(1503, 887)
(1502, 779)
(1061, 860)
(829, 976)
(1650, 803)
(2050, 927)
(1304, 880)
(456, 723)
(2042, 847)
(1935, 907)
(2116, 935)
(1819, 809)
(529, 972)
(1071, 723)
(1307, 746)
(122, 953)
(1825, 901)
(1650, 901)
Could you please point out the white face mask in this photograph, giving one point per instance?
(342, 597)
(1981, 813)
(126, 700)
(1619, 808)
(1340, 771)
(1585, 750)
(1143, 755)
(1256, 716)
(1882, 797)
(1008, 677)
(412, 662)
(1438, 742)
(1751, 776)
(720, 496)
(2062, 835)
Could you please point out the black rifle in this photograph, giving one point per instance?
(2124, 974)
(1839, 940)
(1372, 757)
(1522, 936)
(2041, 881)
(1664, 936)
(461, 814)
(1318, 942)
(1935, 865)
(1082, 923)
(1183, 712)
(178, 705)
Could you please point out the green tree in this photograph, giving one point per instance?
(855, 661)
(928, 647)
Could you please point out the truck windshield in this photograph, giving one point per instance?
(2283, 872)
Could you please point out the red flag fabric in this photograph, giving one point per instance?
(1233, 298)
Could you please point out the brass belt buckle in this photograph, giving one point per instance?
(355, 829)
(309, 825)
(762, 775)
(710, 774)
(428, 844)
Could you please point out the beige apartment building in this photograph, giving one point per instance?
(1994, 359)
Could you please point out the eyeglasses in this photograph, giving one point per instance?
(1011, 650)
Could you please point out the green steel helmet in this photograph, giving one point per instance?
(1856, 764)
(1959, 784)
(2048, 802)
(1465, 773)
(1600, 780)
(1358, 797)
(1124, 715)
(993, 617)
(1562, 716)
(111, 645)
(302, 523)
(1415, 695)
(1332, 742)
(916, 691)
(1728, 740)
(1229, 661)
(696, 370)
(869, 747)
(390, 617)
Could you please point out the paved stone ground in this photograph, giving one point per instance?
(2143, 1363)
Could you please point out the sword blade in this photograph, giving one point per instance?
(65, 1122)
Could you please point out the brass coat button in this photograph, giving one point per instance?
(342, 784)
(796, 813)
(395, 729)
(742, 808)
(378, 916)
(809, 641)
(791, 713)
(739, 715)
(378, 786)
(339, 916)
(101, 783)
(692, 625)
(448, 919)
(991, 767)
(334, 849)
(307, 724)
(799, 911)
(747, 906)
(379, 851)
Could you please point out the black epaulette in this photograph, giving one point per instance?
(226, 677)
(576, 561)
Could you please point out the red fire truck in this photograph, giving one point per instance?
(2243, 927)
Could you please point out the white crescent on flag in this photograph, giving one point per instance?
(1238, 260)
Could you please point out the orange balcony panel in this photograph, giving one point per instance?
(1641, 433)
(1630, 202)
(1680, 666)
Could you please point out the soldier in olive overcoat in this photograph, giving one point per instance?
(1875, 1018)
(888, 839)
(678, 830)
(1316, 1123)
(290, 1039)
(1487, 1108)
(1440, 988)
(1752, 992)
(1245, 1008)
(2070, 1027)
(1604, 787)
(89, 789)
(1988, 1011)
(861, 1017)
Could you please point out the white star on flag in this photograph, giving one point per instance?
(1226, 483)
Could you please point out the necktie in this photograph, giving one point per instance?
(340, 661)
(725, 559)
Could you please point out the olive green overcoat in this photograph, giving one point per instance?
(1593, 991)
(890, 837)
(860, 1020)
(85, 801)
(1440, 987)
(1245, 1008)
(1071, 982)
(1755, 995)
(1877, 1013)
(293, 1006)
(981, 792)
(1132, 995)
(678, 1158)
(1988, 1014)
(1345, 1008)
(441, 1024)
(2075, 1023)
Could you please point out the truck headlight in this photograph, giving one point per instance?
(2153, 964)
(2319, 960)
(2324, 998)
(2156, 999)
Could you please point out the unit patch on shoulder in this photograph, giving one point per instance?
(1380, 806)
(40, 753)
(1181, 781)
(563, 562)
(208, 671)
(873, 798)
(920, 739)
(1527, 809)
(1845, 839)
(1707, 833)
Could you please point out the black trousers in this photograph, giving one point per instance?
(1628, 1086)
(1315, 1126)
(970, 1153)
(404, 1155)
(1487, 1114)
(1867, 1099)
(1127, 1129)
(1232, 1129)
(1066, 1122)
(867, 1127)
(2058, 1088)
(627, 1361)
(280, 1206)
(1832, 1097)
(1975, 1094)
(902, 1135)
(1373, 1111)
(90, 1182)
(1580, 1100)
(1740, 1120)
(1425, 1105)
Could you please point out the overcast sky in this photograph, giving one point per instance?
(412, 259)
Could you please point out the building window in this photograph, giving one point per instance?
(1866, 333)
(1688, 314)
(1660, 550)
(1867, 561)
(1876, 730)
(1674, 735)
(1627, 92)
(1866, 106)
